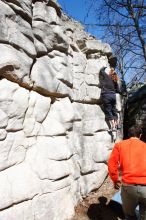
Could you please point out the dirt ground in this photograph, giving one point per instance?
(99, 205)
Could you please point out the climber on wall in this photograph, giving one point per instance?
(109, 87)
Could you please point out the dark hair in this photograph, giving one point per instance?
(134, 131)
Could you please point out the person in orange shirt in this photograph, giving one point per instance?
(127, 169)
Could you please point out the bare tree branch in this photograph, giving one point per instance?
(124, 26)
(110, 6)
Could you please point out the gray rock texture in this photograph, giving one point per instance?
(54, 143)
(135, 110)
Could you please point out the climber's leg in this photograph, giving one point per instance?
(115, 113)
(106, 99)
(112, 124)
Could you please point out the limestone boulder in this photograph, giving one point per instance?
(53, 38)
(14, 29)
(135, 111)
(44, 13)
(22, 7)
(93, 118)
(91, 46)
(62, 110)
(90, 180)
(18, 184)
(19, 211)
(15, 64)
(54, 140)
(46, 205)
(54, 79)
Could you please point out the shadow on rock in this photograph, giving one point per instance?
(103, 211)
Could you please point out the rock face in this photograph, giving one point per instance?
(54, 142)
(135, 111)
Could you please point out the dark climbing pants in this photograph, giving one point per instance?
(109, 105)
